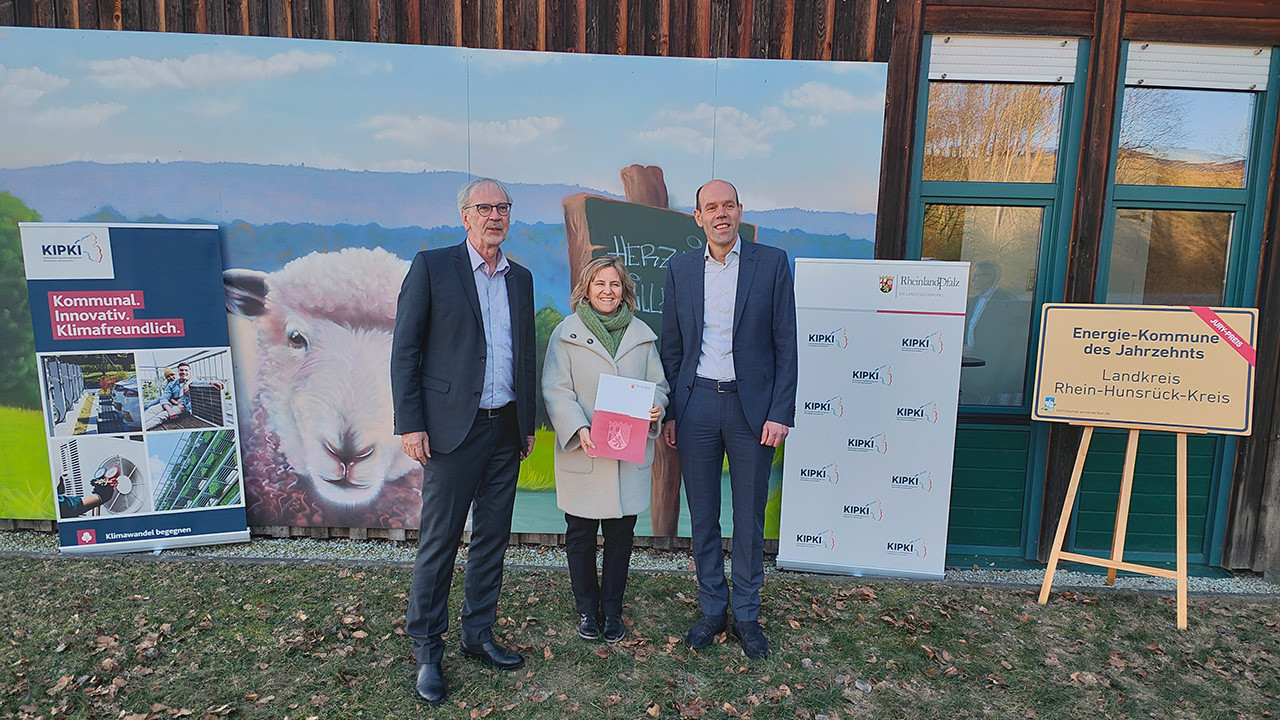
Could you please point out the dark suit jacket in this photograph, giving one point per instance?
(438, 352)
(764, 332)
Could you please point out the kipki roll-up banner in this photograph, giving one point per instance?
(139, 401)
(866, 485)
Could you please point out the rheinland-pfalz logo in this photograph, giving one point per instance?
(882, 375)
(823, 539)
(871, 510)
(922, 481)
(886, 284)
(833, 406)
(83, 249)
(868, 444)
(927, 412)
(931, 343)
(836, 338)
(825, 474)
(910, 547)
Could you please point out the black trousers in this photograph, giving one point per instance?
(483, 470)
(593, 595)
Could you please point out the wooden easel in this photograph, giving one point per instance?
(1116, 562)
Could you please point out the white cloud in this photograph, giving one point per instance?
(82, 117)
(203, 70)
(424, 131)
(157, 466)
(23, 87)
(733, 133)
(509, 133)
(687, 139)
(822, 100)
(418, 132)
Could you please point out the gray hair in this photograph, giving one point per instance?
(464, 195)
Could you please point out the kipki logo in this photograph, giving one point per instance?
(924, 413)
(830, 406)
(911, 547)
(875, 443)
(865, 511)
(929, 343)
(85, 248)
(825, 539)
(826, 473)
(920, 481)
(882, 375)
(835, 338)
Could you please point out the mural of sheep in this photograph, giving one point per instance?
(323, 325)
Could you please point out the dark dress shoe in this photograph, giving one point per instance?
(752, 638)
(588, 628)
(614, 630)
(704, 631)
(494, 655)
(430, 687)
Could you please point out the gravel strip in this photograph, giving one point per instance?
(642, 559)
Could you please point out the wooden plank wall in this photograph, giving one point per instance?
(788, 29)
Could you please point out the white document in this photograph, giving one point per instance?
(625, 396)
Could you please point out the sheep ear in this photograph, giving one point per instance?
(246, 291)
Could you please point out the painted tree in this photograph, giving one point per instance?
(19, 385)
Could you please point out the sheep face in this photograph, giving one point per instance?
(324, 326)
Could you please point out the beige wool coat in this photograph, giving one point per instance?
(597, 487)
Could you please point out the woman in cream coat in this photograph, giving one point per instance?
(603, 336)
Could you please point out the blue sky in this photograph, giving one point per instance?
(789, 134)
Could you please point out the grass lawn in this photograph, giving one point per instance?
(26, 492)
(134, 639)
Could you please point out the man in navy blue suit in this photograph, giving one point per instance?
(729, 353)
(462, 380)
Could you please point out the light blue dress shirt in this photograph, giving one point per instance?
(720, 291)
(499, 372)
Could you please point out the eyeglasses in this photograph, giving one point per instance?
(487, 209)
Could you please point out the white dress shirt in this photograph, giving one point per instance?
(720, 291)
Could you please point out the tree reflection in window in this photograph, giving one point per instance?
(992, 132)
(1002, 245)
(1169, 257)
(1187, 138)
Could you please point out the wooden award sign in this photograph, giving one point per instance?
(1180, 369)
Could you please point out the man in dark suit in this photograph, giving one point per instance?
(729, 353)
(462, 379)
(996, 327)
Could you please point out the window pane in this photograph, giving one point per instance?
(1003, 246)
(1169, 257)
(992, 132)
(1191, 138)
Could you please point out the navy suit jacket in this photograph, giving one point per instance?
(438, 352)
(764, 332)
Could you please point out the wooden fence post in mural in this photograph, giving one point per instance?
(642, 186)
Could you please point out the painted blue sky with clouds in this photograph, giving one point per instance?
(788, 133)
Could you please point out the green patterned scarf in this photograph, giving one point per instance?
(609, 328)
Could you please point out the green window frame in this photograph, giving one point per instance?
(1248, 205)
(1053, 198)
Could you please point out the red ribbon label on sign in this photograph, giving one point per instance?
(1219, 326)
